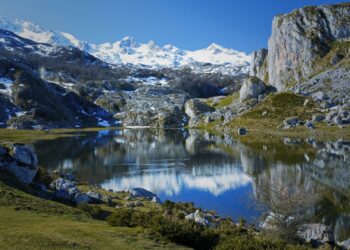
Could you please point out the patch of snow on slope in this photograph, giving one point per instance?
(151, 80)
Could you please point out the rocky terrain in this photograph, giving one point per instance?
(55, 84)
(308, 55)
(47, 86)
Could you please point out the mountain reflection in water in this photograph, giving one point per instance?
(215, 172)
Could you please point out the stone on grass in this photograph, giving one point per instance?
(242, 131)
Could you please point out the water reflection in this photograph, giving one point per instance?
(215, 172)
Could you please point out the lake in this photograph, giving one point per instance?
(218, 173)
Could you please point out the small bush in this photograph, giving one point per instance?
(185, 233)
(248, 242)
(93, 211)
(120, 218)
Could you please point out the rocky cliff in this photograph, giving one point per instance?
(300, 40)
(259, 64)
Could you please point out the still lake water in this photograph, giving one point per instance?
(214, 172)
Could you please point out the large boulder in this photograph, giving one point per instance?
(143, 193)
(251, 88)
(20, 161)
(196, 107)
(24, 154)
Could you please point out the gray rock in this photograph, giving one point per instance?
(345, 244)
(291, 122)
(318, 118)
(316, 233)
(298, 39)
(199, 218)
(141, 193)
(20, 161)
(153, 106)
(319, 96)
(289, 141)
(62, 184)
(309, 125)
(95, 197)
(24, 154)
(251, 88)
(81, 198)
(196, 107)
(242, 131)
(261, 97)
(25, 174)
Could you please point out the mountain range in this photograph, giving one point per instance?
(213, 59)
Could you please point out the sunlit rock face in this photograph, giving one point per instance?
(300, 38)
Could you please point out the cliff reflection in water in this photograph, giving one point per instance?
(216, 172)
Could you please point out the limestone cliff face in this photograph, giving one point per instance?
(301, 38)
(258, 65)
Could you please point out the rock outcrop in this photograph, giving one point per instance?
(20, 161)
(196, 107)
(252, 88)
(258, 65)
(303, 37)
(316, 233)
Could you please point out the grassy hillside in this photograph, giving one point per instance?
(268, 116)
(29, 222)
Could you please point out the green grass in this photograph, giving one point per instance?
(29, 222)
(224, 101)
(339, 48)
(279, 107)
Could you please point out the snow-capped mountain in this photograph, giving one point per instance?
(213, 59)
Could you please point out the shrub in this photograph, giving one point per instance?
(248, 242)
(185, 233)
(94, 211)
(120, 218)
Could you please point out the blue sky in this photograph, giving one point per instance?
(189, 24)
